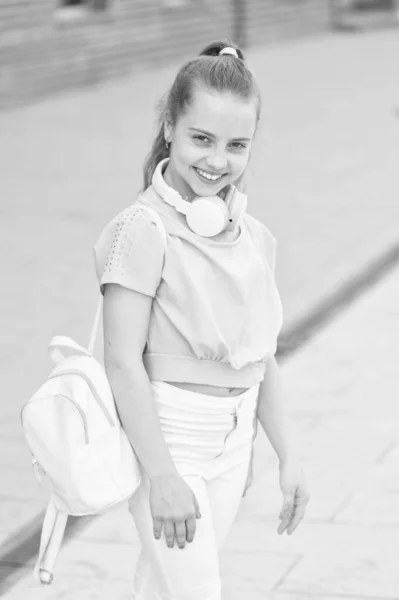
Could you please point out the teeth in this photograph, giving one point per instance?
(208, 176)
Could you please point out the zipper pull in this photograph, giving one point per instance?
(236, 413)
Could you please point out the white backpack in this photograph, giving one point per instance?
(75, 437)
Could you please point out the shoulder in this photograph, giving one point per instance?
(130, 251)
(136, 221)
(263, 237)
(134, 227)
(135, 213)
(259, 229)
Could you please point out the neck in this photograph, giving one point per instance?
(175, 182)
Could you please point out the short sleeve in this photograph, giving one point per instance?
(130, 251)
(270, 246)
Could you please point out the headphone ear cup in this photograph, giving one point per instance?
(207, 215)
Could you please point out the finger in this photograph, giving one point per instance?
(180, 532)
(169, 529)
(157, 527)
(294, 524)
(288, 506)
(197, 509)
(191, 526)
(286, 514)
(296, 518)
(283, 526)
(287, 509)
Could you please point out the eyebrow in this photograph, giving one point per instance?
(207, 133)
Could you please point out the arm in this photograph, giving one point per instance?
(126, 316)
(271, 413)
(173, 504)
(273, 419)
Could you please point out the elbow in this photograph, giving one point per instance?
(122, 368)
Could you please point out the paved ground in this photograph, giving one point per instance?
(324, 177)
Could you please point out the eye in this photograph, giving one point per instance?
(238, 145)
(202, 138)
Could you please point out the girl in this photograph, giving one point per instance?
(190, 331)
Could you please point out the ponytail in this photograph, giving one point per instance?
(158, 152)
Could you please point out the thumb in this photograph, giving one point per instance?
(197, 509)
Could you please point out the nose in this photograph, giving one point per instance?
(217, 161)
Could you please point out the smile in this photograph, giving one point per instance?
(208, 176)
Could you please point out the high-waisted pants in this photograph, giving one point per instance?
(210, 441)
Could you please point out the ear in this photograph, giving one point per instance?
(167, 130)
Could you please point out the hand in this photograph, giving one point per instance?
(295, 493)
(173, 505)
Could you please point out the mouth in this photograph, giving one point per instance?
(208, 177)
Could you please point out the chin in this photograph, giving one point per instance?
(207, 190)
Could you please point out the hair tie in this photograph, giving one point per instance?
(229, 50)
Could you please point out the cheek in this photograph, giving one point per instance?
(239, 162)
(187, 153)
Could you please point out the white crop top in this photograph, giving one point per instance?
(216, 312)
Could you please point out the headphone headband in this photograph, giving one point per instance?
(206, 215)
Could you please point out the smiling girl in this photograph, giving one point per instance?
(190, 332)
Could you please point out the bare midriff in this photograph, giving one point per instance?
(209, 390)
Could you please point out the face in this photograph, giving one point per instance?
(210, 143)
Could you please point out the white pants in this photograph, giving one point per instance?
(210, 440)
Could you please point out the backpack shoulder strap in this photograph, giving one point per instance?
(53, 530)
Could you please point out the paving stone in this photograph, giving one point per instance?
(372, 506)
(22, 484)
(312, 539)
(86, 571)
(300, 595)
(114, 526)
(15, 513)
(77, 587)
(245, 572)
(376, 500)
(363, 575)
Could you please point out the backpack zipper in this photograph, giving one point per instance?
(81, 414)
(92, 389)
(35, 463)
(74, 404)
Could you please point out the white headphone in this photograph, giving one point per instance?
(206, 215)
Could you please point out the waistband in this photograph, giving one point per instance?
(185, 369)
(204, 403)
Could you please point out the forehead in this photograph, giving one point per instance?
(224, 114)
